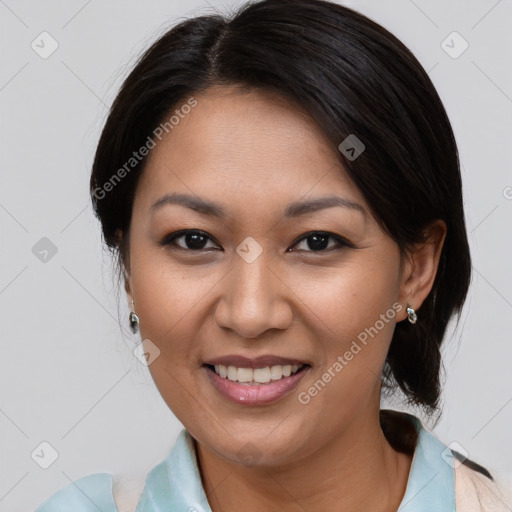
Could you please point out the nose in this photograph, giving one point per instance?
(255, 298)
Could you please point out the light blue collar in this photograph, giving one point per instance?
(175, 483)
(431, 483)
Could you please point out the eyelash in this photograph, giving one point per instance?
(169, 240)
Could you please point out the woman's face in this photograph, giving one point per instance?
(258, 283)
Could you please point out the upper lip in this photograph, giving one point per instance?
(253, 362)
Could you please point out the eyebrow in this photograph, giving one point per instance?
(295, 209)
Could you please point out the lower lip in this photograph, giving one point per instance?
(255, 394)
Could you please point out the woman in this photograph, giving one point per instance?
(283, 194)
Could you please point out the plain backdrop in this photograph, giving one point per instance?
(67, 373)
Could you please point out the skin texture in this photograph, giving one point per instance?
(254, 154)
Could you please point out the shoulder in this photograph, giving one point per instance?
(476, 492)
(465, 484)
(87, 494)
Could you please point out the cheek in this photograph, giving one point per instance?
(167, 303)
(352, 315)
(347, 300)
(167, 294)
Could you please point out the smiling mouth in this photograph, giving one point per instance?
(256, 376)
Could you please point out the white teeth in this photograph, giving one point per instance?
(261, 375)
(258, 375)
(244, 374)
(276, 372)
(232, 373)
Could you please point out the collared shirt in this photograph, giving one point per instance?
(174, 485)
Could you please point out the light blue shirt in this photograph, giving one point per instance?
(174, 485)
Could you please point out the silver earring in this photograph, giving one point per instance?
(411, 314)
(134, 321)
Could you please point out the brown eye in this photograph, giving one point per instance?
(192, 240)
(318, 241)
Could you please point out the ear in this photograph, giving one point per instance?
(128, 287)
(419, 267)
(125, 272)
(129, 291)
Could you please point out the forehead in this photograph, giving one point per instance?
(241, 145)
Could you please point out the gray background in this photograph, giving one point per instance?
(67, 375)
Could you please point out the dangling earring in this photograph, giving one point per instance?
(134, 321)
(411, 314)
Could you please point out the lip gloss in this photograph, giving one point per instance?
(255, 394)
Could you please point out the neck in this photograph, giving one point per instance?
(356, 470)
